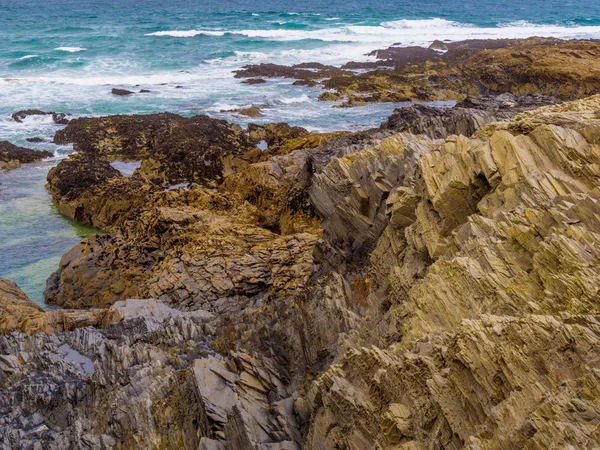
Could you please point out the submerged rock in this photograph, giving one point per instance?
(121, 92)
(254, 81)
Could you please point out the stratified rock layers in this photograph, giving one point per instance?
(373, 290)
(482, 329)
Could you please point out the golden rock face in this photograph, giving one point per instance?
(489, 335)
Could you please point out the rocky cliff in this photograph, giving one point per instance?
(380, 289)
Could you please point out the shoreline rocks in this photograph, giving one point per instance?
(58, 118)
(453, 71)
(433, 282)
(12, 156)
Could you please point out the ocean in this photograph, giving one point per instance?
(66, 56)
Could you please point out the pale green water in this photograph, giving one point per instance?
(34, 235)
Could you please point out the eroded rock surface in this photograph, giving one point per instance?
(378, 289)
(18, 313)
(484, 299)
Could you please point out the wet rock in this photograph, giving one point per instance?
(254, 81)
(19, 116)
(121, 92)
(34, 139)
(59, 118)
(304, 71)
(12, 156)
(252, 111)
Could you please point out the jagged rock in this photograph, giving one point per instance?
(370, 290)
(481, 323)
(465, 117)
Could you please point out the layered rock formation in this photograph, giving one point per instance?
(337, 291)
(481, 326)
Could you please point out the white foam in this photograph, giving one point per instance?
(28, 57)
(187, 33)
(70, 49)
(406, 32)
(301, 99)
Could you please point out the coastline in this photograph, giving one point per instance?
(267, 285)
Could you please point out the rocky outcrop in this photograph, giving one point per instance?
(59, 118)
(379, 289)
(454, 71)
(465, 117)
(18, 313)
(12, 156)
(481, 320)
(171, 149)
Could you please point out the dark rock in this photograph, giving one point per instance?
(465, 117)
(298, 71)
(406, 55)
(172, 149)
(77, 174)
(254, 81)
(10, 152)
(121, 92)
(20, 115)
(309, 83)
(144, 91)
(34, 139)
(59, 118)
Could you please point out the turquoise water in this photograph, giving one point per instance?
(66, 55)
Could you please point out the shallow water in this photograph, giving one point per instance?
(67, 55)
(33, 234)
